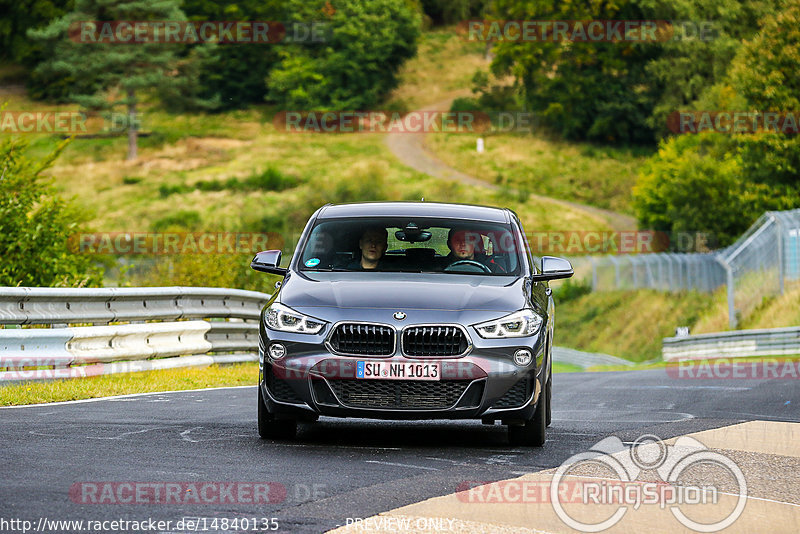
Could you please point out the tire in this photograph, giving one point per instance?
(532, 433)
(549, 399)
(271, 428)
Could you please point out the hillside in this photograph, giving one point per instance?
(192, 163)
(631, 324)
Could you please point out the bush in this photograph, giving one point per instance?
(165, 190)
(180, 220)
(36, 225)
(271, 180)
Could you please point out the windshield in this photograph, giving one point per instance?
(412, 245)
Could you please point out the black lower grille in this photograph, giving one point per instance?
(280, 388)
(366, 339)
(399, 394)
(516, 396)
(434, 341)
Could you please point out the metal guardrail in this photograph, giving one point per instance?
(194, 321)
(736, 344)
(44, 305)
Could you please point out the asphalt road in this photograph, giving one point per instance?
(337, 469)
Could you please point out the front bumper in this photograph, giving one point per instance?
(483, 384)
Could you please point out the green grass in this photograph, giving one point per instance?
(631, 324)
(628, 324)
(560, 367)
(443, 67)
(243, 374)
(219, 376)
(208, 162)
(579, 172)
(126, 383)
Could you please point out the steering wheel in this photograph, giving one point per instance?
(473, 263)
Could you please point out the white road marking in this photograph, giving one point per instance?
(402, 465)
(118, 397)
(729, 388)
(128, 433)
(185, 434)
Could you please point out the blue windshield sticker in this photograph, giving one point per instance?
(313, 262)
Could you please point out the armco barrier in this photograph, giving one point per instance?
(44, 305)
(735, 344)
(193, 322)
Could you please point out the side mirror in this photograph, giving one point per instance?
(554, 268)
(267, 261)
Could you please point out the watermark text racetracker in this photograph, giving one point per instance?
(428, 121)
(173, 242)
(195, 492)
(65, 122)
(734, 122)
(727, 369)
(186, 524)
(589, 31)
(192, 32)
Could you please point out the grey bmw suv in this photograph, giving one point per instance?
(409, 310)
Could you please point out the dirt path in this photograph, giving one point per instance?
(410, 149)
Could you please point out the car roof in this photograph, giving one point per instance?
(415, 209)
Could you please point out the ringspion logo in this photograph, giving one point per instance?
(621, 491)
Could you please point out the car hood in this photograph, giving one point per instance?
(408, 291)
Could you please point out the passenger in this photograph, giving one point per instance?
(373, 244)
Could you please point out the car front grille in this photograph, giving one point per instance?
(399, 394)
(362, 339)
(434, 341)
(280, 388)
(516, 396)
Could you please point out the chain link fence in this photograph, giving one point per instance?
(757, 265)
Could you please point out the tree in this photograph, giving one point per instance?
(708, 35)
(121, 71)
(36, 225)
(723, 182)
(356, 65)
(584, 90)
(15, 46)
(765, 71)
(233, 74)
(443, 12)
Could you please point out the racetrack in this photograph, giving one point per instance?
(339, 469)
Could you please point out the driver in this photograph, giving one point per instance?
(462, 244)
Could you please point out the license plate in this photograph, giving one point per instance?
(399, 370)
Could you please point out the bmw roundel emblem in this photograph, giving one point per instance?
(399, 315)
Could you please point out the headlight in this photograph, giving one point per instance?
(518, 324)
(283, 319)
